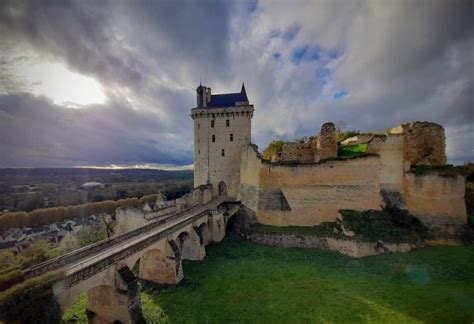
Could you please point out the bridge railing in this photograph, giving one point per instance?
(91, 268)
(83, 252)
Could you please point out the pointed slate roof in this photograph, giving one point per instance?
(228, 99)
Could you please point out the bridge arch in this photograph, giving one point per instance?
(190, 244)
(204, 228)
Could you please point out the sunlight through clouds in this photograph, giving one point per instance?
(63, 86)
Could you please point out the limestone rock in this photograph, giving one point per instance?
(425, 143)
(326, 145)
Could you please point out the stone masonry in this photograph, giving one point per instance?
(326, 145)
(425, 143)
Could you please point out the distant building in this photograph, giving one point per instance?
(92, 185)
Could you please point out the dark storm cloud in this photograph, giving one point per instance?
(36, 132)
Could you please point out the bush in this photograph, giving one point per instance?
(391, 225)
(31, 301)
(442, 170)
(273, 149)
(351, 150)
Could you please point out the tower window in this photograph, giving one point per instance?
(199, 141)
(231, 137)
(223, 152)
(227, 123)
(213, 138)
(199, 125)
(212, 123)
(199, 152)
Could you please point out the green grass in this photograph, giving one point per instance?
(240, 281)
(351, 150)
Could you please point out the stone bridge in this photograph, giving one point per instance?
(103, 270)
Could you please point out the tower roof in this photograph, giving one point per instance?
(228, 99)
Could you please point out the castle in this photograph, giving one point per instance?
(221, 132)
(308, 184)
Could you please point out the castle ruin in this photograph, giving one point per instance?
(308, 184)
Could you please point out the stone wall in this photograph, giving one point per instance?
(436, 199)
(308, 194)
(392, 163)
(358, 139)
(298, 152)
(131, 218)
(326, 145)
(347, 247)
(425, 143)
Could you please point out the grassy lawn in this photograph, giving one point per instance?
(351, 150)
(240, 281)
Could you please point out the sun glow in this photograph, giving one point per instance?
(63, 86)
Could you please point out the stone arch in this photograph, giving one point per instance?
(222, 186)
(190, 245)
(205, 232)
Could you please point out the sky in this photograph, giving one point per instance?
(112, 82)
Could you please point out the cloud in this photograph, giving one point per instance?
(35, 132)
(372, 64)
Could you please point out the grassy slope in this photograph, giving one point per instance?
(242, 282)
(351, 150)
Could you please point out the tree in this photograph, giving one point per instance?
(273, 150)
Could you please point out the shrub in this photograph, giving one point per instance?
(31, 301)
(351, 150)
(273, 149)
(390, 225)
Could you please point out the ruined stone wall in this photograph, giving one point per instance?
(425, 143)
(131, 218)
(308, 194)
(326, 145)
(392, 163)
(347, 247)
(298, 152)
(198, 196)
(436, 199)
(358, 139)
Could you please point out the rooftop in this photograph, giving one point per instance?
(228, 99)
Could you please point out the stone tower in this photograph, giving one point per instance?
(222, 127)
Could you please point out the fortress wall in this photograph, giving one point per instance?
(301, 152)
(249, 177)
(425, 143)
(308, 194)
(129, 219)
(326, 145)
(436, 199)
(392, 163)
